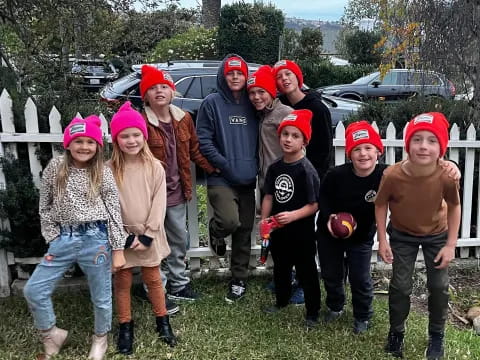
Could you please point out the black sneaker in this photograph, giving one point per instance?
(331, 316)
(435, 349)
(236, 291)
(217, 245)
(311, 322)
(394, 345)
(172, 307)
(359, 326)
(187, 293)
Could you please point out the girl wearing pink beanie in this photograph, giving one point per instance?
(81, 221)
(141, 182)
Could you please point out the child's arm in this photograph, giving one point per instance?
(195, 154)
(384, 249)
(266, 206)
(156, 216)
(451, 169)
(447, 253)
(287, 217)
(49, 228)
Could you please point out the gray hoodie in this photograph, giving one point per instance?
(228, 135)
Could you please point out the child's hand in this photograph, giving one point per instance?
(385, 252)
(444, 257)
(285, 217)
(118, 260)
(329, 225)
(137, 245)
(451, 169)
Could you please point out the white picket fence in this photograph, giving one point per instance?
(9, 139)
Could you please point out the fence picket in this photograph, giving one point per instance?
(31, 125)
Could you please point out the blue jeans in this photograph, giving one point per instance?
(86, 244)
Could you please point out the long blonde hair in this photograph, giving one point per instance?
(94, 168)
(118, 161)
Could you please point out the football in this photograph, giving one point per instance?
(343, 225)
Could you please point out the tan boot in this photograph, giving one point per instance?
(99, 347)
(53, 341)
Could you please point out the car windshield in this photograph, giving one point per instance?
(366, 79)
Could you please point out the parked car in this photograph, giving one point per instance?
(93, 74)
(397, 84)
(194, 80)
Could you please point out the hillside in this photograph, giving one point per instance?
(330, 30)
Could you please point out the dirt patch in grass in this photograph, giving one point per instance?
(464, 291)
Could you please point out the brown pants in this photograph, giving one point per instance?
(123, 285)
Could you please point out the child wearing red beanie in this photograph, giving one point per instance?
(173, 140)
(350, 188)
(425, 210)
(291, 196)
(289, 81)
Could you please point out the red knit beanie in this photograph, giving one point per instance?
(263, 78)
(290, 65)
(434, 122)
(235, 63)
(89, 127)
(126, 117)
(361, 132)
(301, 119)
(152, 76)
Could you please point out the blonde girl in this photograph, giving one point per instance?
(81, 221)
(142, 187)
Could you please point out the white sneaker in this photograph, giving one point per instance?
(99, 347)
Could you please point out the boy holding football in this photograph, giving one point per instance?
(291, 196)
(351, 188)
(425, 210)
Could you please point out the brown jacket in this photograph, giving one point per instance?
(186, 141)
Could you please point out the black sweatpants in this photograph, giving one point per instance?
(292, 247)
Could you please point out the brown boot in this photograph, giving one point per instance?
(53, 341)
(99, 347)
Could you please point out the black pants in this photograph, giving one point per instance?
(405, 249)
(293, 248)
(338, 256)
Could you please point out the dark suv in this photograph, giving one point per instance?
(93, 74)
(397, 84)
(194, 80)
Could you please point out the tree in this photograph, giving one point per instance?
(310, 44)
(211, 13)
(251, 30)
(450, 41)
(360, 47)
(357, 10)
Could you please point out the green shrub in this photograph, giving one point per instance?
(196, 43)
(324, 73)
(399, 113)
(250, 30)
(19, 203)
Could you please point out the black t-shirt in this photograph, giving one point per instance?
(343, 191)
(292, 186)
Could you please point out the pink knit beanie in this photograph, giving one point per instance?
(89, 127)
(126, 117)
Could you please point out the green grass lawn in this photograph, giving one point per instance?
(211, 329)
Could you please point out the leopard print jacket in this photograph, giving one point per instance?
(75, 207)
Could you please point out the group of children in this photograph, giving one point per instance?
(86, 220)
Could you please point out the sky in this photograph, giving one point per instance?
(306, 9)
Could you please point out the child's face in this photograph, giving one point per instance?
(291, 140)
(260, 98)
(235, 80)
(82, 149)
(287, 81)
(364, 158)
(159, 95)
(130, 141)
(424, 148)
